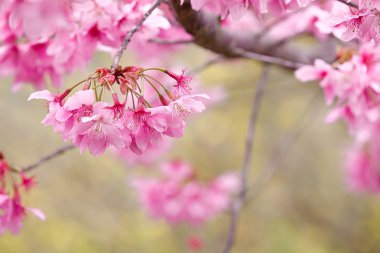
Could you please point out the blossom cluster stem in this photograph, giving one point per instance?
(248, 154)
(130, 34)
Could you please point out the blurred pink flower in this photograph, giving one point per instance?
(177, 196)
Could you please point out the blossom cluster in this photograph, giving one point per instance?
(12, 210)
(40, 38)
(179, 196)
(353, 85)
(86, 119)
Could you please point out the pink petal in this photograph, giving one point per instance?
(38, 213)
(44, 94)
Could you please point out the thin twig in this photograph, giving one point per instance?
(130, 34)
(171, 42)
(56, 153)
(250, 139)
(269, 59)
(282, 150)
(206, 64)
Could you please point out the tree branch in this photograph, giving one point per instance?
(209, 34)
(56, 153)
(130, 34)
(269, 59)
(206, 64)
(171, 42)
(349, 4)
(284, 147)
(250, 139)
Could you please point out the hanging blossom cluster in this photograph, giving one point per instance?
(40, 38)
(12, 210)
(352, 84)
(86, 119)
(179, 196)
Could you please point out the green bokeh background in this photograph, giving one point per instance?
(303, 206)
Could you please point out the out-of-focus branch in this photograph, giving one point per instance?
(208, 33)
(282, 150)
(171, 42)
(250, 139)
(206, 64)
(131, 32)
(56, 153)
(269, 59)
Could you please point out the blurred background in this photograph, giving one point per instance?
(298, 199)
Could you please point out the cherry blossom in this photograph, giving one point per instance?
(362, 167)
(178, 196)
(12, 210)
(135, 124)
(352, 86)
(71, 32)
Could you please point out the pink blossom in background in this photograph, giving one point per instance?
(352, 87)
(363, 168)
(12, 210)
(71, 32)
(179, 196)
(195, 243)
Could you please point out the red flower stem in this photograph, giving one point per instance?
(153, 86)
(170, 95)
(145, 101)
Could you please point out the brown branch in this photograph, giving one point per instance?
(349, 4)
(209, 34)
(56, 153)
(250, 139)
(269, 59)
(282, 150)
(171, 42)
(130, 34)
(206, 64)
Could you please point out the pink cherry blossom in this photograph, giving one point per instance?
(183, 82)
(98, 131)
(147, 158)
(12, 210)
(195, 243)
(90, 123)
(179, 197)
(362, 167)
(352, 88)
